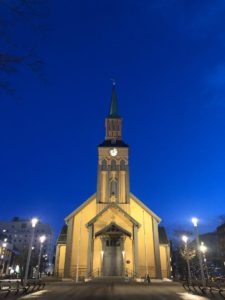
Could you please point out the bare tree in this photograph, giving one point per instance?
(21, 28)
(187, 253)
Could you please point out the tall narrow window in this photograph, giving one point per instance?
(104, 165)
(113, 165)
(122, 165)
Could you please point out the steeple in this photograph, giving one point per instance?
(113, 111)
(113, 122)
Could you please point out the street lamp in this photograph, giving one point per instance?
(34, 222)
(185, 240)
(42, 240)
(4, 245)
(195, 223)
(203, 249)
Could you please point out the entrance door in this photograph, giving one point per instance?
(112, 257)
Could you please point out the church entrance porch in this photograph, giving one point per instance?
(112, 253)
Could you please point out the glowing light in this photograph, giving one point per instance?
(17, 269)
(34, 222)
(42, 239)
(184, 238)
(203, 248)
(4, 245)
(194, 221)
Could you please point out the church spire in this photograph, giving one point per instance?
(113, 111)
(113, 122)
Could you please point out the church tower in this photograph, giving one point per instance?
(113, 170)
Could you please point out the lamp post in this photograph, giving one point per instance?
(195, 223)
(42, 240)
(4, 245)
(33, 223)
(203, 249)
(185, 240)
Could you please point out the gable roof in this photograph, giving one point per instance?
(80, 207)
(157, 218)
(113, 205)
(115, 226)
(63, 235)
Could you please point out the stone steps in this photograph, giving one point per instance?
(111, 279)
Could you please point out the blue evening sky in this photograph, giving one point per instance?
(168, 59)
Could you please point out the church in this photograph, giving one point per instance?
(113, 233)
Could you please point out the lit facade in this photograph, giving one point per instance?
(112, 233)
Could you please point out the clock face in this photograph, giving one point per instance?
(113, 152)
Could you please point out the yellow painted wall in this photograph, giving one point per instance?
(145, 239)
(128, 248)
(60, 259)
(104, 189)
(97, 257)
(164, 260)
(122, 186)
(80, 231)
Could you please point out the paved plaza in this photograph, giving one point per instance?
(112, 291)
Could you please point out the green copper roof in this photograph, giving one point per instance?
(114, 112)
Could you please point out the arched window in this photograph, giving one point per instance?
(104, 165)
(122, 165)
(113, 165)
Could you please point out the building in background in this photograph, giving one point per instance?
(212, 255)
(221, 241)
(210, 240)
(113, 233)
(18, 232)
